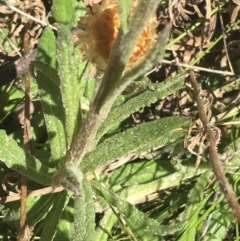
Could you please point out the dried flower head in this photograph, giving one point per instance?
(101, 25)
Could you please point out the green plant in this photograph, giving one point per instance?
(83, 117)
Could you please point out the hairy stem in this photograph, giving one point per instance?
(120, 55)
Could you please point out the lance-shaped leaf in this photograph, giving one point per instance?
(38, 207)
(47, 47)
(135, 141)
(69, 85)
(53, 110)
(124, 13)
(84, 214)
(119, 113)
(17, 159)
(66, 223)
(53, 216)
(141, 226)
(48, 84)
(138, 193)
(160, 175)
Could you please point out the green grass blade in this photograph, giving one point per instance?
(37, 207)
(66, 223)
(139, 191)
(197, 199)
(218, 225)
(106, 224)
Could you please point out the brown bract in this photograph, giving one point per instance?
(101, 25)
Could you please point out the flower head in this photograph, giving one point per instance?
(101, 25)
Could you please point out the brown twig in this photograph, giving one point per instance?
(35, 193)
(213, 155)
(28, 145)
(19, 67)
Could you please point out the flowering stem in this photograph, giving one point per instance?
(120, 54)
(122, 51)
(107, 94)
(155, 57)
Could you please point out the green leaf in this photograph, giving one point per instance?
(197, 199)
(63, 10)
(37, 207)
(125, 8)
(219, 223)
(141, 226)
(17, 159)
(133, 178)
(105, 226)
(134, 141)
(69, 85)
(47, 70)
(138, 192)
(48, 84)
(84, 214)
(133, 174)
(53, 216)
(47, 47)
(119, 113)
(66, 223)
(79, 11)
(53, 110)
(89, 85)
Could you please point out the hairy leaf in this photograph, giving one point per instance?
(135, 141)
(69, 84)
(53, 110)
(119, 113)
(142, 226)
(47, 47)
(84, 214)
(48, 84)
(17, 159)
(62, 10)
(124, 13)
